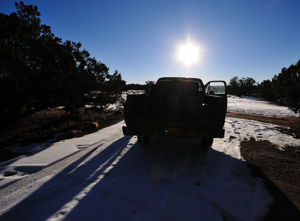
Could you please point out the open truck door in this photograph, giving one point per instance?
(217, 88)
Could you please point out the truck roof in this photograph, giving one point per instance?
(178, 85)
(181, 79)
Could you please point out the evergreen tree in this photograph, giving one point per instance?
(38, 70)
(286, 85)
(265, 90)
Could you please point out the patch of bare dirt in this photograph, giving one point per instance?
(280, 170)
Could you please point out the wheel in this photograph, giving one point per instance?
(143, 139)
(207, 142)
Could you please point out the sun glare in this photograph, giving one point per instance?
(188, 53)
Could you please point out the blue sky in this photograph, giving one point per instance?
(141, 39)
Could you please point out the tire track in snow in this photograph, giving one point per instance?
(53, 168)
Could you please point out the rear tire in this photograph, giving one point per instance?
(143, 140)
(207, 142)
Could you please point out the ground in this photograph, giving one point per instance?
(279, 169)
(56, 124)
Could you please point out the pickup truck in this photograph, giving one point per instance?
(178, 107)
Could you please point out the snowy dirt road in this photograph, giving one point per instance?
(118, 179)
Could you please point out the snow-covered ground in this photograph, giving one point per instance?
(108, 176)
(251, 105)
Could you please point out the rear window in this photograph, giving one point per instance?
(171, 87)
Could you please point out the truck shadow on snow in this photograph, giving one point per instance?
(166, 180)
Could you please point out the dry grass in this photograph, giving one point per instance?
(45, 124)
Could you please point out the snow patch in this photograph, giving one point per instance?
(256, 106)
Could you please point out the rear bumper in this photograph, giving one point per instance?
(174, 132)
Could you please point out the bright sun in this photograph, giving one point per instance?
(188, 53)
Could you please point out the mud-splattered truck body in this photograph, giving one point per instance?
(177, 107)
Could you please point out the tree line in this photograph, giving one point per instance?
(284, 87)
(144, 87)
(38, 70)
